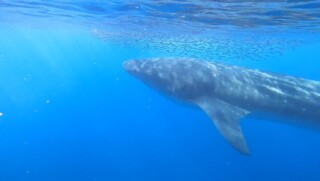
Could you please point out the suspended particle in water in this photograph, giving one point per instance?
(1, 114)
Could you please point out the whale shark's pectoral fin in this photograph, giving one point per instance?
(226, 118)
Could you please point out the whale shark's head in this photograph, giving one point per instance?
(153, 72)
(179, 77)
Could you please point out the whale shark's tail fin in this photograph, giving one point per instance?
(226, 118)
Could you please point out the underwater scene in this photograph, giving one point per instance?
(154, 90)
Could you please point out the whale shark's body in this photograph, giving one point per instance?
(228, 93)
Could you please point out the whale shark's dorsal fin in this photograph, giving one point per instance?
(226, 118)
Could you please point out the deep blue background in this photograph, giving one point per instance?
(70, 112)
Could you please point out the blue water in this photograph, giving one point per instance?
(68, 110)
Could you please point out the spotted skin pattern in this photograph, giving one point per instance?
(228, 93)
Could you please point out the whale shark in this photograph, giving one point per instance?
(228, 93)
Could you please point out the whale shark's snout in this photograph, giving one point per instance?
(132, 66)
